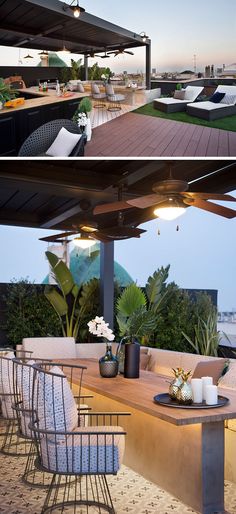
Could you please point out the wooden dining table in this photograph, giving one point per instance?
(181, 450)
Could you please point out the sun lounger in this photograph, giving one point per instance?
(180, 100)
(211, 111)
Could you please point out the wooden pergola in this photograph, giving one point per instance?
(59, 195)
(49, 24)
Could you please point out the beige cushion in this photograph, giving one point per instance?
(180, 95)
(212, 369)
(228, 381)
(50, 347)
(144, 358)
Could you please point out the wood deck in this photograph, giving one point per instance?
(135, 135)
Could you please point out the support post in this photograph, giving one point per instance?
(213, 468)
(85, 67)
(148, 65)
(107, 281)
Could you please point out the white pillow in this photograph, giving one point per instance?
(180, 95)
(56, 391)
(64, 143)
(229, 100)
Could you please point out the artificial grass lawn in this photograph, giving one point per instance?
(227, 123)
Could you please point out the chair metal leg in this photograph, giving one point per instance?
(114, 106)
(12, 443)
(32, 475)
(86, 490)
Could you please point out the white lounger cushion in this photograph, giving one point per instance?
(169, 101)
(98, 454)
(191, 93)
(209, 106)
(228, 90)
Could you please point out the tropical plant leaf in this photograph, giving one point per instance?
(56, 300)
(142, 322)
(155, 288)
(130, 300)
(123, 324)
(62, 273)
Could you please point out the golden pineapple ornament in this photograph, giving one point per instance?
(184, 394)
(176, 383)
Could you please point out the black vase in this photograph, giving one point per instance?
(132, 359)
(108, 364)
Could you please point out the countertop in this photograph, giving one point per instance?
(43, 98)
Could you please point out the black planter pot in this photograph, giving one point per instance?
(132, 360)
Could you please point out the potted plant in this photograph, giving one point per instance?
(6, 93)
(81, 116)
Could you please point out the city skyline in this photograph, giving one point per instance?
(177, 34)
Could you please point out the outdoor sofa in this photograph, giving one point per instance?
(211, 111)
(179, 101)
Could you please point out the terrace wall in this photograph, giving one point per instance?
(168, 86)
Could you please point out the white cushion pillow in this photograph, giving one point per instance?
(57, 410)
(180, 94)
(64, 143)
(229, 100)
(85, 454)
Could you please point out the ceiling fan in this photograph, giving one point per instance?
(170, 198)
(120, 51)
(91, 54)
(88, 235)
(105, 55)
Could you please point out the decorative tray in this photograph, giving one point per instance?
(165, 399)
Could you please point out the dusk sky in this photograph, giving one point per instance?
(201, 254)
(178, 30)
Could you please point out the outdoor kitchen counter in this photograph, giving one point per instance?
(16, 124)
(182, 451)
(43, 98)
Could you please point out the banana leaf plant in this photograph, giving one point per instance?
(137, 311)
(70, 301)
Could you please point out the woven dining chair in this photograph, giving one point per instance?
(11, 442)
(81, 455)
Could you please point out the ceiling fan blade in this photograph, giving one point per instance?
(127, 52)
(122, 232)
(99, 236)
(210, 196)
(111, 207)
(57, 237)
(142, 202)
(211, 207)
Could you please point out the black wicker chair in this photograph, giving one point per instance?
(41, 139)
(81, 456)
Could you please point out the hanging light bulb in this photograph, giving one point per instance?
(170, 210)
(77, 10)
(84, 242)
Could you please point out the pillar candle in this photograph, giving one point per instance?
(206, 381)
(211, 395)
(196, 384)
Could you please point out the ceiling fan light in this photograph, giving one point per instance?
(84, 242)
(169, 213)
